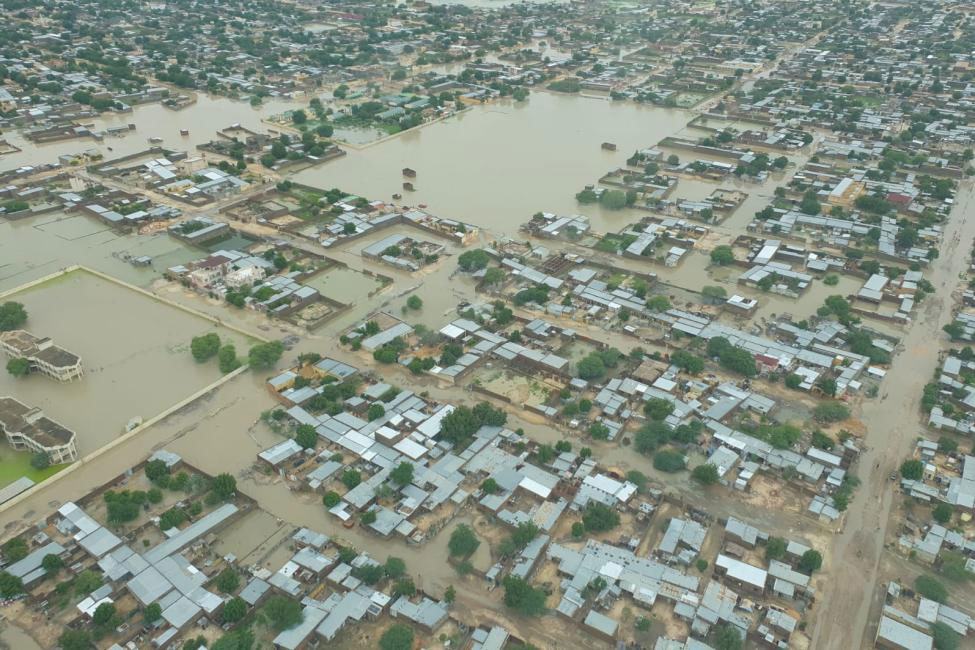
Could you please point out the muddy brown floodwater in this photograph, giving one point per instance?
(496, 165)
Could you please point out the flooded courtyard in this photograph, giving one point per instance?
(135, 352)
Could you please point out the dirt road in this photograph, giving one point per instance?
(892, 423)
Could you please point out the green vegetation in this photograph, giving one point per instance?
(522, 597)
(264, 355)
(283, 613)
(706, 474)
(598, 517)
(463, 542)
(18, 367)
(668, 460)
(460, 425)
(570, 85)
(205, 347)
(473, 260)
(732, 358)
(397, 637)
(829, 412)
(12, 316)
(930, 588)
(722, 255)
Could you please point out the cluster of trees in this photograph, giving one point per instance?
(520, 596)
(595, 364)
(205, 347)
(264, 355)
(473, 260)
(655, 434)
(460, 425)
(731, 357)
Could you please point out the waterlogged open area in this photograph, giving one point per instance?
(135, 349)
(487, 324)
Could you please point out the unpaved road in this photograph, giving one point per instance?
(892, 423)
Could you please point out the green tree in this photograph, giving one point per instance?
(658, 409)
(591, 367)
(375, 412)
(12, 316)
(264, 355)
(402, 474)
(722, 255)
(598, 517)
(668, 460)
(829, 412)
(775, 548)
(473, 260)
(205, 347)
(306, 436)
(912, 470)
(228, 581)
(397, 637)
(234, 610)
(104, 614)
(40, 460)
(414, 302)
(522, 597)
(726, 637)
(811, 561)
(351, 478)
(283, 613)
(15, 549)
(224, 486)
(945, 638)
(52, 563)
(299, 116)
(931, 588)
(227, 358)
(395, 567)
(18, 367)
(706, 474)
(152, 613)
(450, 595)
(75, 640)
(331, 499)
(941, 513)
(463, 542)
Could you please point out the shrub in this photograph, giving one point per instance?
(668, 460)
(706, 474)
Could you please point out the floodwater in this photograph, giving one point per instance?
(203, 119)
(497, 164)
(135, 352)
(344, 284)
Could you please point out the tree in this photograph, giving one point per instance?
(397, 637)
(227, 358)
(228, 581)
(829, 412)
(234, 610)
(811, 561)
(351, 478)
(75, 640)
(18, 367)
(668, 460)
(722, 255)
(12, 316)
(726, 637)
(299, 116)
(375, 412)
(591, 367)
(103, 614)
(775, 548)
(395, 567)
(493, 275)
(306, 436)
(599, 517)
(658, 303)
(522, 597)
(942, 513)
(283, 612)
(10, 585)
(714, 294)
(912, 470)
(156, 469)
(945, 638)
(224, 486)
(931, 588)
(205, 347)
(402, 474)
(490, 486)
(15, 549)
(450, 595)
(331, 499)
(414, 302)
(810, 203)
(658, 408)
(706, 474)
(52, 563)
(40, 460)
(264, 355)
(242, 639)
(473, 260)
(152, 613)
(687, 361)
(793, 381)
(463, 542)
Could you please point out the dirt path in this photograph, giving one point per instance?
(892, 424)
